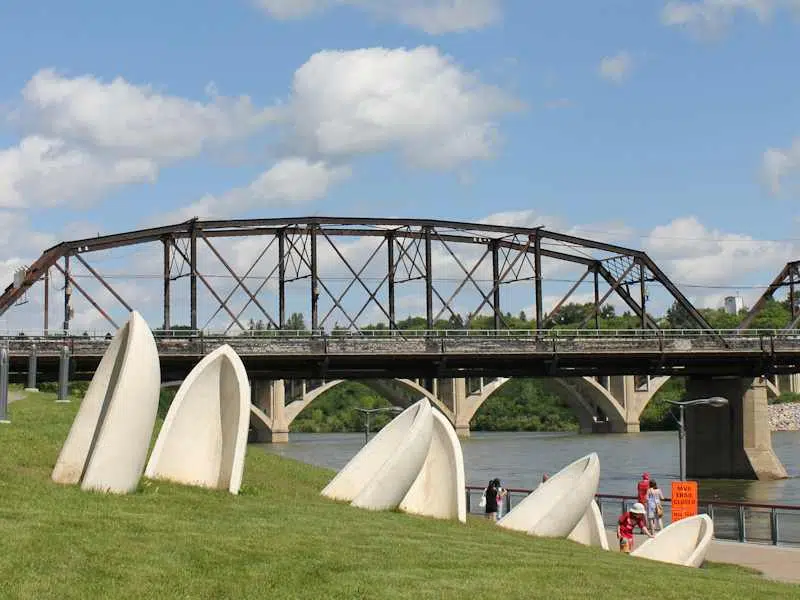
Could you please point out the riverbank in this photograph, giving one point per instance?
(784, 417)
(280, 539)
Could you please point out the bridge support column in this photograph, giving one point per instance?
(632, 400)
(732, 442)
(31, 387)
(270, 397)
(453, 393)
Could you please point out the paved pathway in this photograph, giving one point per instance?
(780, 563)
(14, 396)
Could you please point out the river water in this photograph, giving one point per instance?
(520, 459)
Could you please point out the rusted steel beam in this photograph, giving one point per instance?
(773, 287)
(615, 285)
(356, 279)
(46, 301)
(464, 281)
(390, 272)
(69, 280)
(67, 292)
(561, 302)
(167, 280)
(192, 274)
(282, 278)
(537, 257)
(315, 282)
(257, 292)
(627, 298)
(497, 283)
(498, 318)
(428, 278)
(105, 284)
(240, 281)
(210, 288)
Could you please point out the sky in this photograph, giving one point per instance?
(671, 127)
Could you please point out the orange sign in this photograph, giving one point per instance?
(684, 499)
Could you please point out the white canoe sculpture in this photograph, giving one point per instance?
(684, 542)
(380, 475)
(590, 530)
(107, 445)
(204, 437)
(438, 490)
(556, 507)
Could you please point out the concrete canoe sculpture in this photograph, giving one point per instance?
(380, 475)
(204, 436)
(684, 542)
(590, 530)
(556, 507)
(438, 490)
(107, 445)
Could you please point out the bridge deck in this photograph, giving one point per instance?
(437, 355)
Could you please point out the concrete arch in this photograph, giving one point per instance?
(581, 394)
(401, 392)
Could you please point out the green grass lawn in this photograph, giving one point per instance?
(280, 539)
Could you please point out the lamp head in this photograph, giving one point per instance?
(717, 401)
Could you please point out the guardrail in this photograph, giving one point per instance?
(637, 343)
(774, 524)
(646, 334)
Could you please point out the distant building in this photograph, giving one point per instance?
(733, 304)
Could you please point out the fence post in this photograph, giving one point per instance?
(773, 526)
(32, 370)
(63, 375)
(741, 524)
(4, 386)
(469, 500)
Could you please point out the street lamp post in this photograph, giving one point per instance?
(715, 401)
(368, 412)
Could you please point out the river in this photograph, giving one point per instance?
(519, 459)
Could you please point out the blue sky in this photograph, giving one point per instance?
(682, 144)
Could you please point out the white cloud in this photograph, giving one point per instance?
(418, 102)
(47, 171)
(615, 68)
(291, 181)
(133, 120)
(85, 136)
(779, 163)
(713, 16)
(431, 16)
(693, 254)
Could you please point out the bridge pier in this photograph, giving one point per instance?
(732, 442)
(453, 394)
(269, 396)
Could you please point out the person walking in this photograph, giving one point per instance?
(642, 487)
(629, 520)
(655, 511)
(501, 496)
(490, 507)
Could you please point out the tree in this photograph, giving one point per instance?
(296, 322)
(678, 317)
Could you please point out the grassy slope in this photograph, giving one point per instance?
(280, 539)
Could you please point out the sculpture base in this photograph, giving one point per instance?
(31, 390)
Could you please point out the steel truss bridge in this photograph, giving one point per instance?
(483, 259)
(442, 262)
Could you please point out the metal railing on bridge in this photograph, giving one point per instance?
(774, 524)
(549, 341)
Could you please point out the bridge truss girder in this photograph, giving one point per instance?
(789, 277)
(511, 254)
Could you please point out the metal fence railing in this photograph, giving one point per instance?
(774, 524)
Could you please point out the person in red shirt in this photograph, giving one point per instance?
(642, 487)
(626, 524)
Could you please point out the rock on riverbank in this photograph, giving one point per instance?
(784, 417)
